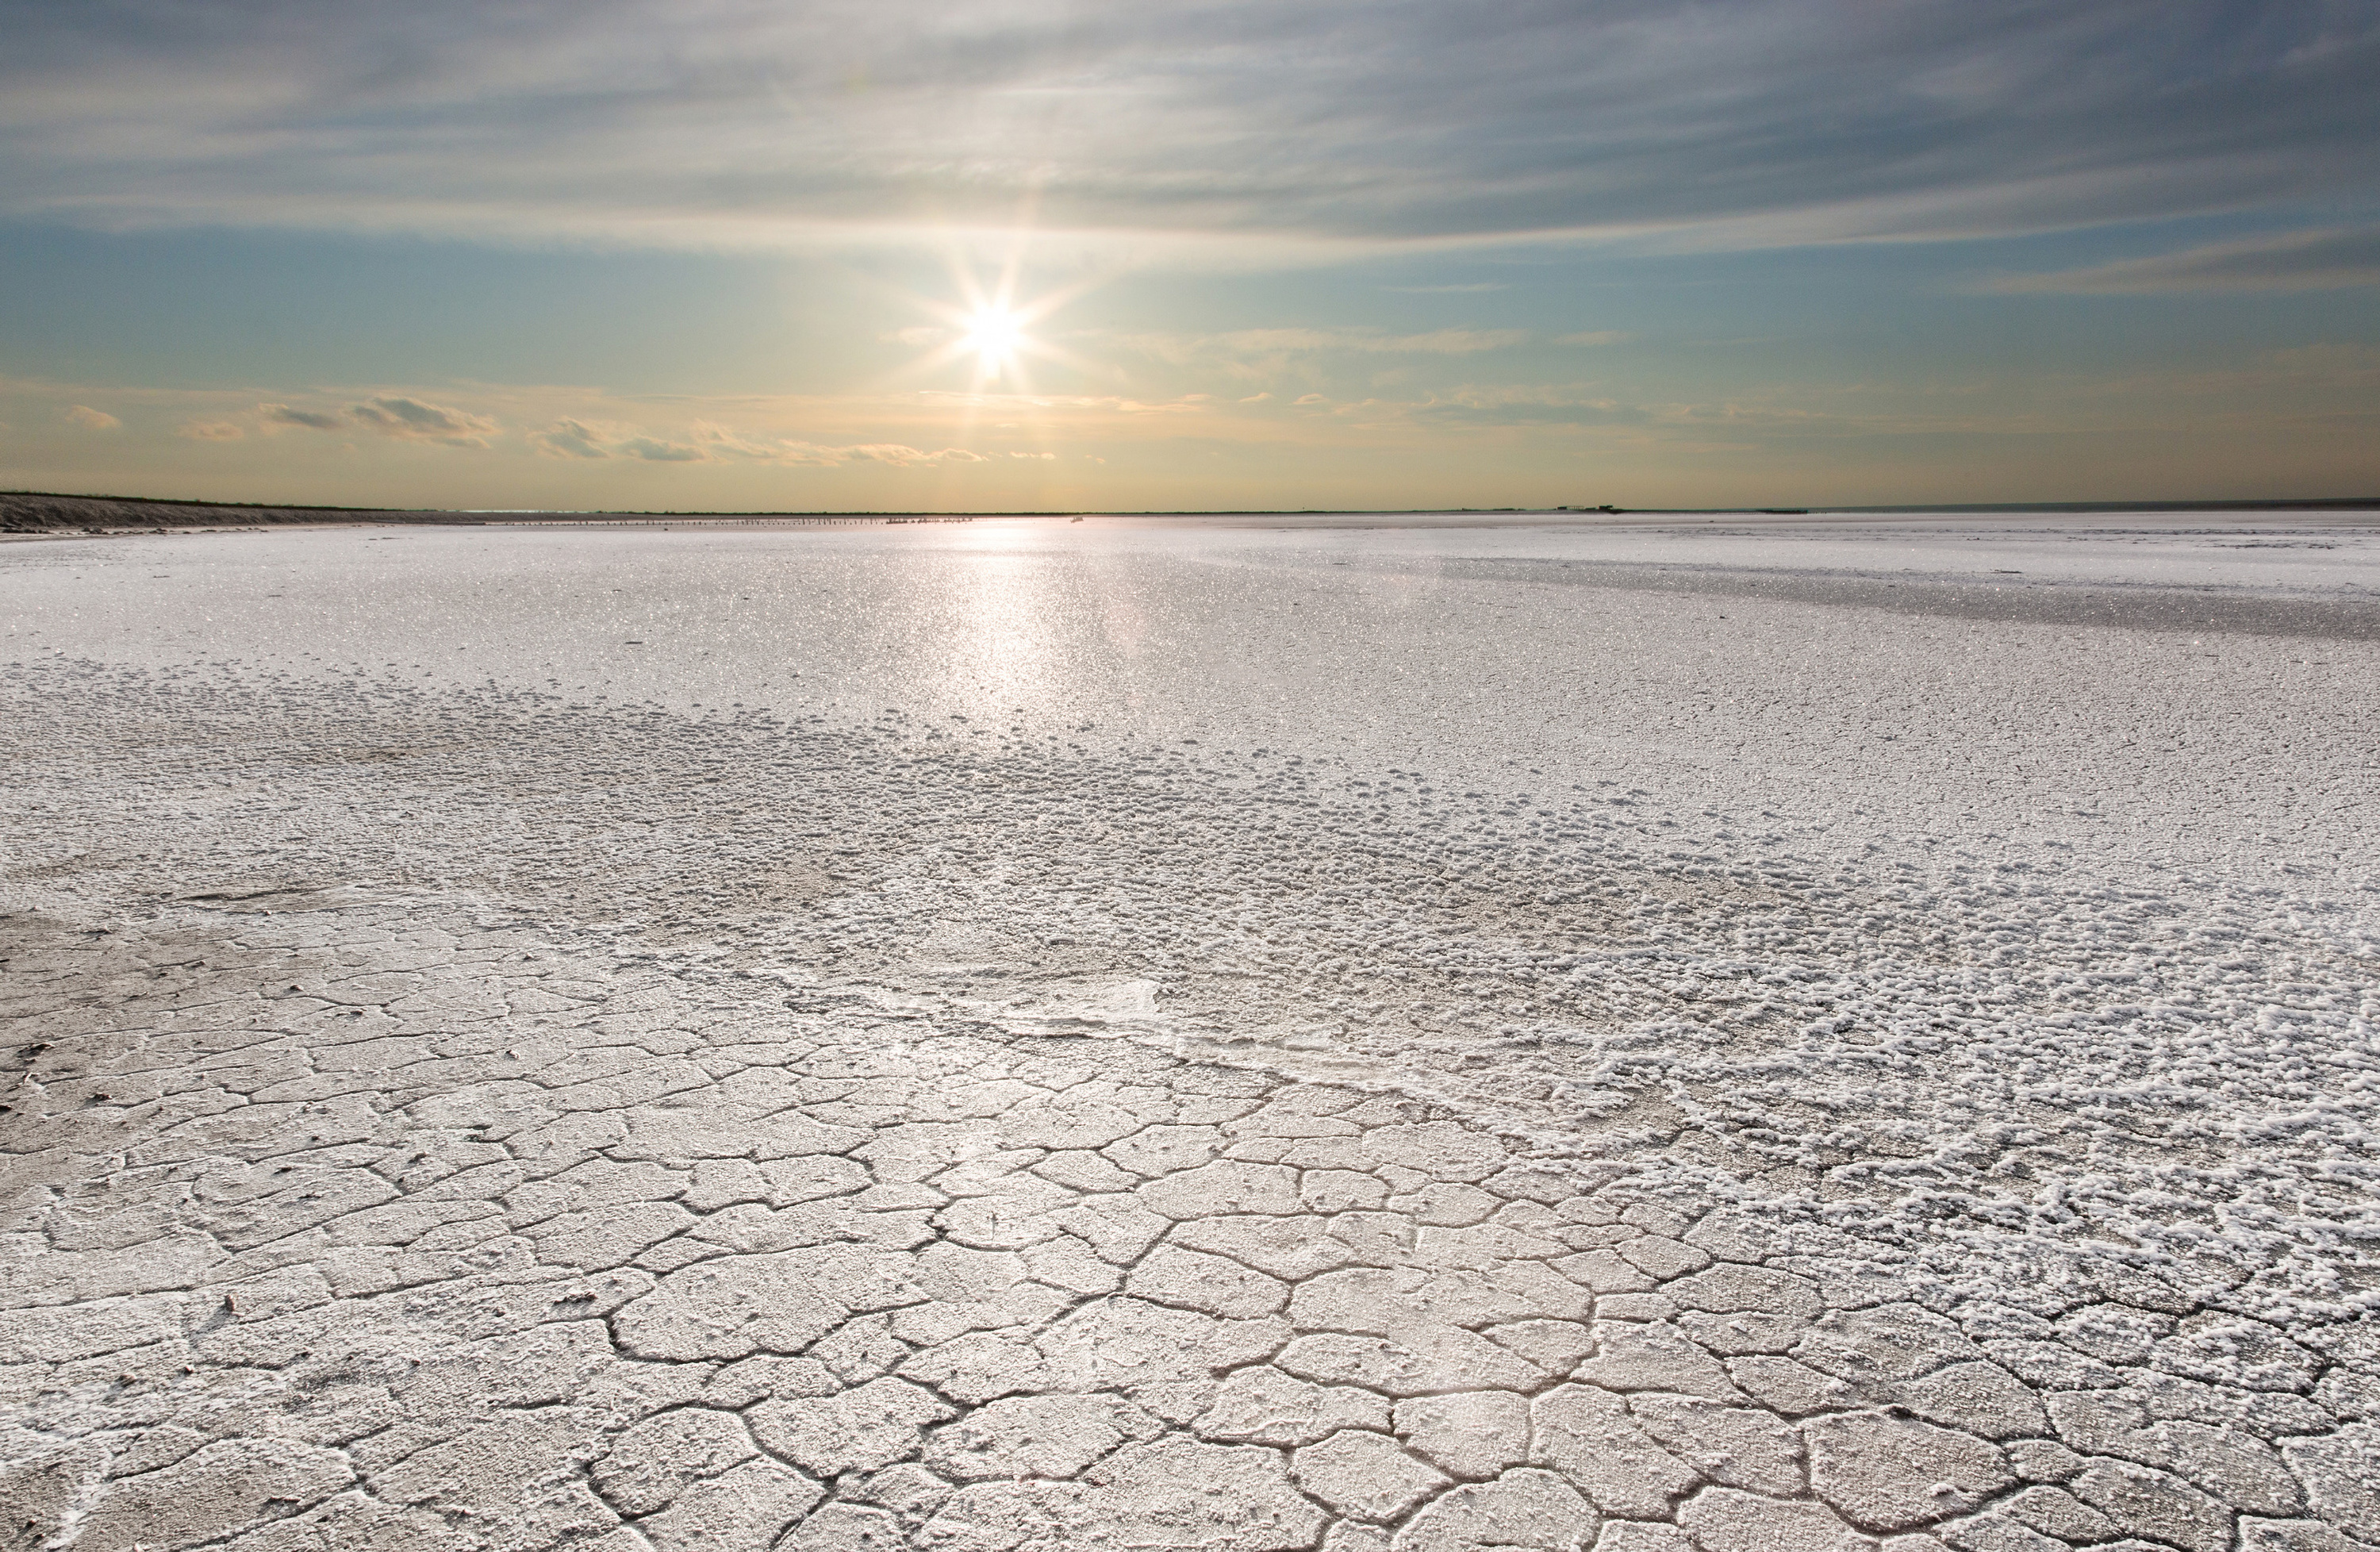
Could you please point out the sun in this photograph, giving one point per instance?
(992, 326)
(994, 334)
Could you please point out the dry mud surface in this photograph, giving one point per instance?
(1139, 1038)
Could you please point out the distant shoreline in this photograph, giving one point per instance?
(38, 512)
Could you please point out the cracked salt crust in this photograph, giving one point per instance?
(457, 1118)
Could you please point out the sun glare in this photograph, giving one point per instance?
(990, 327)
(994, 334)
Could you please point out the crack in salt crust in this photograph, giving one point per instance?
(475, 1120)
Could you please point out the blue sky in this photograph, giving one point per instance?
(712, 254)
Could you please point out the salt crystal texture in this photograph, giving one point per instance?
(1258, 1036)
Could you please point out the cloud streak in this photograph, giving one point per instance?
(2318, 260)
(389, 415)
(711, 442)
(412, 420)
(1527, 406)
(707, 122)
(278, 415)
(571, 439)
(1279, 344)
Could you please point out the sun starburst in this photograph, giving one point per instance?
(996, 336)
(992, 326)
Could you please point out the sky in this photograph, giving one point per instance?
(1215, 254)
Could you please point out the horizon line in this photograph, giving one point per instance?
(2314, 503)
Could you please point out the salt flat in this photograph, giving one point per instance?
(1142, 1033)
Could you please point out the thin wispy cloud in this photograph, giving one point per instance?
(704, 123)
(389, 415)
(91, 419)
(1247, 344)
(709, 441)
(1435, 342)
(1491, 405)
(654, 450)
(276, 414)
(413, 421)
(571, 439)
(2318, 260)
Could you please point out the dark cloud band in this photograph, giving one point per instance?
(701, 121)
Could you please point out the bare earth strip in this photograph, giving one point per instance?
(454, 1119)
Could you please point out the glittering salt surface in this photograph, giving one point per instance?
(1459, 1035)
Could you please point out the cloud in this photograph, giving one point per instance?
(2316, 260)
(277, 415)
(1279, 344)
(711, 440)
(1528, 406)
(412, 420)
(210, 430)
(91, 419)
(714, 442)
(570, 439)
(646, 122)
(1593, 336)
(389, 415)
(895, 454)
(654, 450)
(2356, 363)
(1449, 290)
(1437, 342)
(723, 440)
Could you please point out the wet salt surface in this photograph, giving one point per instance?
(1200, 1037)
